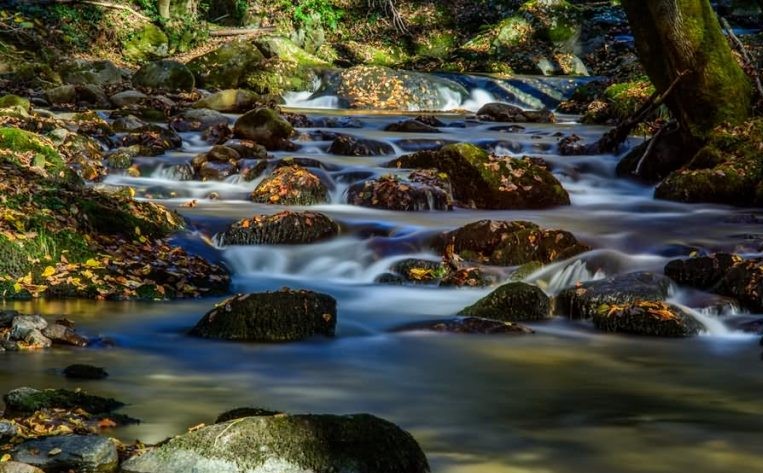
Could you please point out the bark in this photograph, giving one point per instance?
(673, 36)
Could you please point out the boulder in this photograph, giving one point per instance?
(227, 66)
(16, 467)
(485, 181)
(291, 185)
(13, 101)
(24, 325)
(501, 112)
(149, 42)
(411, 126)
(359, 443)
(128, 123)
(283, 228)
(85, 453)
(61, 95)
(346, 145)
(654, 318)
(27, 400)
(465, 325)
(265, 127)
(152, 140)
(281, 316)
(703, 272)
(164, 75)
(229, 101)
(127, 98)
(197, 119)
(82, 72)
(61, 334)
(583, 301)
(391, 193)
(509, 243)
(512, 302)
(382, 88)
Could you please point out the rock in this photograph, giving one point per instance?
(281, 316)
(287, 50)
(291, 185)
(6, 317)
(359, 443)
(382, 88)
(654, 318)
(23, 325)
(16, 467)
(227, 66)
(584, 300)
(465, 325)
(469, 277)
(744, 282)
(164, 75)
(127, 123)
(149, 42)
(229, 101)
(704, 272)
(35, 339)
(86, 453)
(62, 95)
(242, 412)
(28, 400)
(180, 172)
(507, 243)
(100, 73)
(345, 145)
(61, 334)
(411, 126)
(153, 140)
(248, 149)
(283, 228)
(419, 271)
(391, 193)
(501, 112)
(8, 430)
(197, 119)
(265, 127)
(487, 181)
(12, 101)
(127, 98)
(79, 371)
(512, 302)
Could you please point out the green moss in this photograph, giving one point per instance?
(438, 44)
(227, 66)
(147, 43)
(9, 101)
(513, 302)
(20, 141)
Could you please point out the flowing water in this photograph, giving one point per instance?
(566, 399)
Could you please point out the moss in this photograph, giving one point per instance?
(512, 302)
(276, 76)
(287, 50)
(625, 98)
(227, 66)
(8, 101)
(27, 400)
(147, 43)
(438, 44)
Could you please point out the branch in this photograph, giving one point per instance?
(745, 55)
(240, 31)
(611, 141)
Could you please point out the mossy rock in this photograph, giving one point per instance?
(281, 316)
(356, 52)
(45, 155)
(28, 400)
(512, 302)
(702, 272)
(654, 318)
(81, 72)
(284, 228)
(465, 325)
(509, 243)
(436, 44)
(229, 101)
(359, 443)
(584, 300)
(420, 271)
(485, 181)
(164, 75)
(512, 32)
(346, 145)
(291, 185)
(265, 127)
(276, 76)
(557, 21)
(286, 50)
(226, 67)
(391, 193)
(13, 101)
(150, 42)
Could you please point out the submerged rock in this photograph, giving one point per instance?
(391, 193)
(465, 325)
(584, 300)
(654, 318)
(78, 371)
(345, 145)
(507, 243)
(513, 302)
(264, 126)
(411, 126)
(291, 185)
(485, 181)
(281, 316)
(359, 443)
(284, 228)
(85, 453)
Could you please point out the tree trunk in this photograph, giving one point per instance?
(673, 36)
(164, 8)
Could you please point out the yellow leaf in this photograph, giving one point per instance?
(137, 230)
(17, 287)
(5, 458)
(49, 271)
(419, 273)
(92, 263)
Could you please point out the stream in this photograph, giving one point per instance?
(566, 399)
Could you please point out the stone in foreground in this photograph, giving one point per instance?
(281, 316)
(358, 443)
(655, 318)
(465, 325)
(69, 453)
(512, 302)
(283, 228)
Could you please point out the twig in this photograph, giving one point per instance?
(615, 137)
(239, 31)
(650, 147)
(745, 55)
